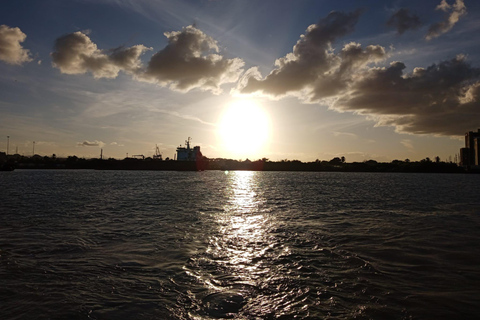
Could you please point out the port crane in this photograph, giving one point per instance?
(157, 154)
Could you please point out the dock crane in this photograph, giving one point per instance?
(157, 155)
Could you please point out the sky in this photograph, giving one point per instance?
(280, 79)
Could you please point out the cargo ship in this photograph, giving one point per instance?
(187, 159)
(187, 153)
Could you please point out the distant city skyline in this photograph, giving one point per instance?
(281, 79)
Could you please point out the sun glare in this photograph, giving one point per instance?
(244, 129)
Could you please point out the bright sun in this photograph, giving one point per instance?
(244, 129)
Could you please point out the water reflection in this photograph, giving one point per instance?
(243, 196)
(235, 264)
(242, 226)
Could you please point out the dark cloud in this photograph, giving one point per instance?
(453, 14)
(91, 144)
(191, 60)
(404, 20)
(441, 99)
(313, 71)
(350, 61)
(75, 53)
(11, 50)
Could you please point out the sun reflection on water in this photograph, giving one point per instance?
(233, 265)
(242, 226)
(243, 196)
(239, 272)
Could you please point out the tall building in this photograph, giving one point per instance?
(476, 150)
(470, 155)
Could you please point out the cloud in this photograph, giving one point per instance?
(11, 50)
(185, 116)
(75, 53)
(407, 143)
(404, 20)
(442, 99)
(454, 12)
(346, 134)
(87, 143)
(313, 71)
(189, 61)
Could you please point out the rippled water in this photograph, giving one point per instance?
(242, 245)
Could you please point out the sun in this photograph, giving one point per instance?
(244, 129)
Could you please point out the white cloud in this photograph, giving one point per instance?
(186, 117)
(11, 50)
(407, 143)
(75, 53)
(454, 12)
(346, 134)
(189, 61)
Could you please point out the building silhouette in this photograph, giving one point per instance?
(470, 155)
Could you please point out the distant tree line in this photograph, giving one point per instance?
(264, 164)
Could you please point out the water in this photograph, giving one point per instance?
(240, 245)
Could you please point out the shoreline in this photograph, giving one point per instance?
(233, 165)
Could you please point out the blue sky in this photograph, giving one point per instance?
(335, 78)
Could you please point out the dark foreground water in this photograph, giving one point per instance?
(241, 245)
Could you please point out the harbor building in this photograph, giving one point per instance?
(187, 153)
(470, 155)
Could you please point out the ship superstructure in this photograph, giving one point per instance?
(187, 153)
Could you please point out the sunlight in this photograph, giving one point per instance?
(244, 224)
(241, 240)
(243, 197)
(244, 129)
